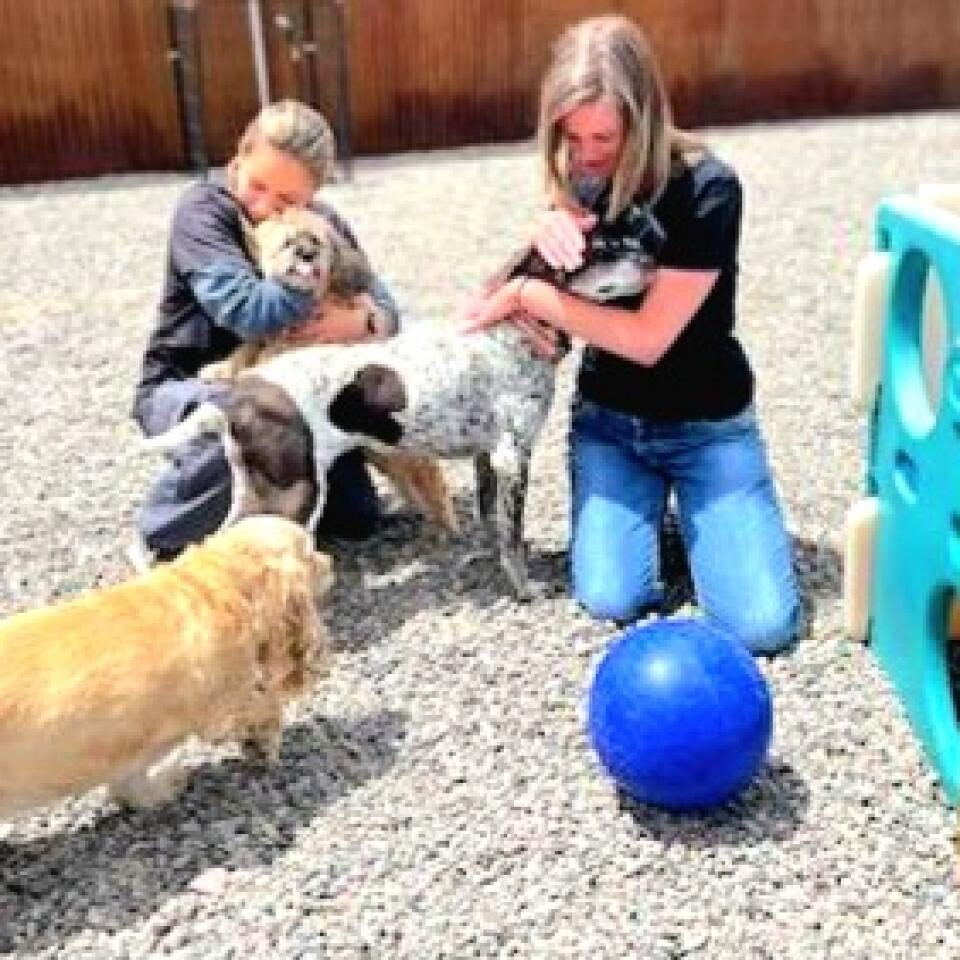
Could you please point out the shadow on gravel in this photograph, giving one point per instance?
(405, 570)
(120, 869)
(818, 566)
(387, 581)
(771, 808)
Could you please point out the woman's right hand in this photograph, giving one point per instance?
(558, 237)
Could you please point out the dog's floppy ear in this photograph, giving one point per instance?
(382, 388)
(289, 650)
(276, 450)
(366, 404)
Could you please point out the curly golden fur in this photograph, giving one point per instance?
(102, 687)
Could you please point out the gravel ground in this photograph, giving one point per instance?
(438, 796)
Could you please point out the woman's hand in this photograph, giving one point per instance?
(504, 304)
(491, 307)
(558, 237)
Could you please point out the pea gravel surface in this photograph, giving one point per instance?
(437, 795)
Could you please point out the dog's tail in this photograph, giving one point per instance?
(207, 420)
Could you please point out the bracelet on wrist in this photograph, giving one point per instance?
(519, 294)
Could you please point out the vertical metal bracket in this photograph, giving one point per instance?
(343, 119)
(184, 57)
(299, 25)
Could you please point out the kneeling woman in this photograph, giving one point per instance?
(665, 392)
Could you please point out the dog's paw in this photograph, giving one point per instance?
(146, 789)
(534, 590)
(260, 744)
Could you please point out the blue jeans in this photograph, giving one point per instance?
(623, 468)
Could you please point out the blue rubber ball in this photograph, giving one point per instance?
(679, 714)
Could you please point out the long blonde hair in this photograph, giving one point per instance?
(297, 130)
(608, 57)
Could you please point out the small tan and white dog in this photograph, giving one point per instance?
(103, 688)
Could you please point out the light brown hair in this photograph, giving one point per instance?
(609, 58)
(297, 130)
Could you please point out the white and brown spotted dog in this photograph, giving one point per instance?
(427, 392)
(104, 687)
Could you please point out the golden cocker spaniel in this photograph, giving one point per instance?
(101, 688)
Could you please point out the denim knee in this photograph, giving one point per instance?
(621, 602)
(770, 632)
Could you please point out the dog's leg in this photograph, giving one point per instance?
(511, 467)
(151, 786)
(485, 491)
(321, 501)
(207, 420)
(222, 370)
(485, 508)
(238, 480)
(260, 742)
(246, 355)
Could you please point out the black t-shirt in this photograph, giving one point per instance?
(704, 375)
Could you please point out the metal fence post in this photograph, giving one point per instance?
(344, 120)
(299, 26)
(184, 56)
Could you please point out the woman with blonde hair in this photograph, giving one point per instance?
(664, 399)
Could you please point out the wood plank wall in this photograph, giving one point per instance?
(87, 86)
(474, 71)
(84, 89)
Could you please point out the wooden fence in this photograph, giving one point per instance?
(89, 86)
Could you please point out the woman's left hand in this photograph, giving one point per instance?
(491, 307)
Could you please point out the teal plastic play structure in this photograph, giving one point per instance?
(913, 470)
